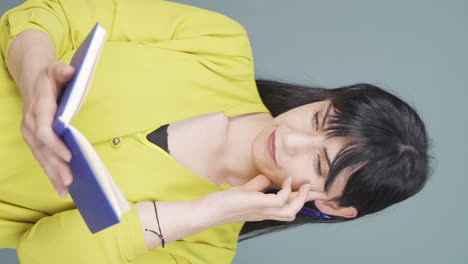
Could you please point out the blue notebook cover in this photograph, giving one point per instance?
(86, 190)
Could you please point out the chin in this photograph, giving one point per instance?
(276, 181)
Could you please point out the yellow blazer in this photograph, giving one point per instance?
(163, 62)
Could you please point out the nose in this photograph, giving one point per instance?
(295, 143)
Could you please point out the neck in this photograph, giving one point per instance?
(236, 161)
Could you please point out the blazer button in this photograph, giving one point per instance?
(115, 141)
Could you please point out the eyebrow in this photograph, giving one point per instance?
(316, 120)
(327, 158)
(327, 112)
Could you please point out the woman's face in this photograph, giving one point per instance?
(300, 148)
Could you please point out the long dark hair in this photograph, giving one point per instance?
(389, 138)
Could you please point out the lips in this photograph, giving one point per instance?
(272, 146)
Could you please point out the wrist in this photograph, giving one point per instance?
(29, 53)
(28, 77)
(213, 209)
(176, 220)
(146, 216)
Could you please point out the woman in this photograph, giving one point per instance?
(346, 152)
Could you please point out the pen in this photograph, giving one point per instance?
(313, 212)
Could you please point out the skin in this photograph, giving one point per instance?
(301, 145)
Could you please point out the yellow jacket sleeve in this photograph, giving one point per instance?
(182, 252)
(46, 16)
(152, 45)
(65, 238)
(68, 22)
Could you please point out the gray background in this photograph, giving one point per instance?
(416, 49)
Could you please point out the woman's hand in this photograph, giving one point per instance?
(249, 203)
(39, 107)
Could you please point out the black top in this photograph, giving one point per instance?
(159, 137)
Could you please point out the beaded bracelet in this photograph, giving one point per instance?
(160, 235)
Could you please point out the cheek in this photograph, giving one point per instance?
(316, 184)
(302, 173)
(337, 187)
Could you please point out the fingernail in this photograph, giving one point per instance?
(67, 181)
(67, 157)
(62, 194)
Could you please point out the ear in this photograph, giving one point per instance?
(331, 208)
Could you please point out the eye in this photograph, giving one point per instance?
(318, 166)
(316, 121)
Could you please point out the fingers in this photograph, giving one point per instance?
(311, 196)
(289, 203)
(43, 131)
(56, 169)
(242, 205)
(36, 126)
(58, 173)
(283, 195)
(45, 134)
(60, 72)
(289, 212)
